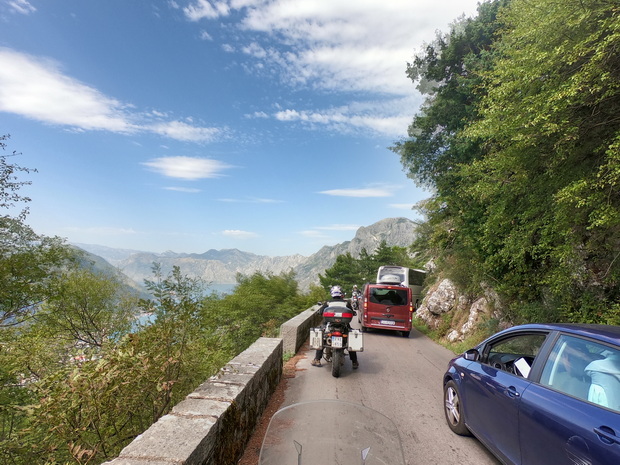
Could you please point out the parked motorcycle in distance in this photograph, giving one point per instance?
(336, 338)
(329, 432)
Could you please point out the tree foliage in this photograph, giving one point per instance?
(348, 271)
(81, 379)
(525, 169)
(28, 261)
(259, 305)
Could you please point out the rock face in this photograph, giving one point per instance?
(222, 266)
(443, 297)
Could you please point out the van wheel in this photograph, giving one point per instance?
(364, 329)
(406, 333)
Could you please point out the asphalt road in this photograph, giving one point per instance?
(400, 378)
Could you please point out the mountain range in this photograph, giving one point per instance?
(222, 266)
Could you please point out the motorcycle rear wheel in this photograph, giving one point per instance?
(337, 362)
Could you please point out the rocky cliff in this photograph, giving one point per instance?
(444, 303)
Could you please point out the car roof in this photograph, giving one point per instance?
(607, 333)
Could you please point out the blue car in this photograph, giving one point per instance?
(545, 394)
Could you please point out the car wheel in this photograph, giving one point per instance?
(453, 409)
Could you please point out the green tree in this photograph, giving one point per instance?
(345, 272)
(29, 264)
(89, 406)
(89, 308)
(28, 261)
(449, 71)
(549, 180)
(519, 139)
(259, 305)
(75, 327)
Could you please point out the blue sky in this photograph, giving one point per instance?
(189, 125)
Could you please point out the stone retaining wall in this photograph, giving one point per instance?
(214, 423)
(295, 331)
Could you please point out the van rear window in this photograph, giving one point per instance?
(388, 296)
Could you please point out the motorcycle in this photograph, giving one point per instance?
(327, 432)
(336, 338)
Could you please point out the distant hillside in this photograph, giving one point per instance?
(394, 231)
(97, 263)
(222, 266)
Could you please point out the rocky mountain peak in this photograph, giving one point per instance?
(222, 266)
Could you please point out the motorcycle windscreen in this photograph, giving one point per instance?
(331, 432)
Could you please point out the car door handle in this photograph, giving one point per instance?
(512, 392)
(607, 435)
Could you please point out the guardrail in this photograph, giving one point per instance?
(214, 423)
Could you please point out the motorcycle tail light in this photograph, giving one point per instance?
(338, 314)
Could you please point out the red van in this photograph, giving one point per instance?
(387, 306)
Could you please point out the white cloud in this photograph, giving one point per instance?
(365, 192)
(238, 234)
(188, 168)
(319, 232)
(183, 189)
(36, 88)
(179, 130)
(375, 116)
(206, 9)
(21, 6)
(258, 114)
(339, 45)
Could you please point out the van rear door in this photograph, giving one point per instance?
(387, 307)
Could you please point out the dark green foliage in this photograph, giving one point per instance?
(259, 305)
(520, 139)
(448, 70)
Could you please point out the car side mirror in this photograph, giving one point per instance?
(472, 355)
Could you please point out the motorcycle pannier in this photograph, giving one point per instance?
(356, 341)
(316, 338)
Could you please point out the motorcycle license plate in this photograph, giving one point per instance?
(388, 322)
(337, 342)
